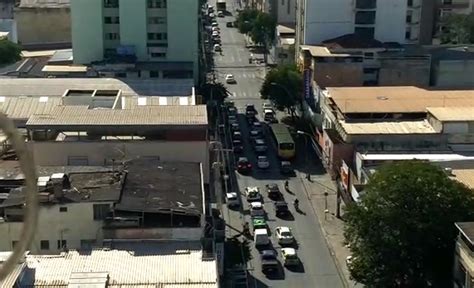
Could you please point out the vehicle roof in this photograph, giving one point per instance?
(259, 141)
(287, 251)
(262, 157)
(268, 252)
(256, 204)
(272, 185)
(231, 194)
(243, 159)
(261, 232)
(284, 229)
(250, 188)
(281, 203)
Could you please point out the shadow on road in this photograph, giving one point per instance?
(237, 252)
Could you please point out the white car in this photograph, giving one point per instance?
(215, 29)
(284, 235)
(215, 33)
(253, 194)
(217, 48)
(212, 15)
(214, 24)
(262, 162)
(220, 14)
(267, 105)
(290, 258)
(232, 199)
(229, 78)
(256, 209)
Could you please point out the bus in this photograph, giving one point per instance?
(283, 140)
(221, 5)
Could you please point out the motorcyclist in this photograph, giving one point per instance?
(287, 185)
(296, 202)
(246, 229)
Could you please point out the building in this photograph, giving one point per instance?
(407, 21)
(448, 7)
(130, 264)
(452, 66)
(43, 23)
(82, 207)
(8, 30)
(350, 60)
(284, 48)
(463, 259)
(138, 39)
(6, 9)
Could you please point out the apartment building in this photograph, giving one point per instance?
(449, 7)
(140, 39)
(463, 256)
(401, 21)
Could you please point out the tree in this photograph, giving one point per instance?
(245, 20)
(402, 233)
(214, 91)
(9, 52)
(283, 85)
(458, 29)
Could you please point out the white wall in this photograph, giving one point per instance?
(390, 20)
(282, 7)
(326, 19)
(58, 153)
(75, 224)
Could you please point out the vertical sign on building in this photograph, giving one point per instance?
(307, 88)
(344, 173)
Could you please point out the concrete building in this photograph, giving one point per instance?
(452, 66)
(43, 23)
(406, 21)
(6, 9)
(139, 39)
(463, 259)
(449, 7)
(82, 207)
(284, 48)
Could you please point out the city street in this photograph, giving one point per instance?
(318, 267)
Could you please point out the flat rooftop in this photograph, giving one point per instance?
(162, 264)
(162, 187)
(21, 108)
(452, 114)
(467, 229)
(74, 116)
(465, 176)
(399, 99)
(399, 127)
(322, 51)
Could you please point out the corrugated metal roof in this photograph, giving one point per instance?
(168, 265)
(452, 113)
(132, 102)
(146, 115)
(402, 99)
(23, 107)
(403, 127)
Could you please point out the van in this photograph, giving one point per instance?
(268, 115)
(261, 237)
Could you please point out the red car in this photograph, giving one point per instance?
(243, 165)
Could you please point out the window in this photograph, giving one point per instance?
(369, 55)
(100, 211)
(44, 245)
(157, 36)
(365, 17)
(88, 244)
(180, 74)
(156, 3)
(111, 3)
(62, 209)
(156, 20)
(365, 32)
(366, 4)
(154, 74)
(121, 75)
(62, 244)
(157, 45)
(158, 55)
(14, 244)
(288, 7)
(410, 3)
(408, 34)
(112, 36)
(111, 20)
(409, 17)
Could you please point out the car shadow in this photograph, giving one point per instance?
(279, 274)
(296, 268)
(287, 217)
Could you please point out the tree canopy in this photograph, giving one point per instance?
(458, 29)
(9, 52)
(283, 85)
(402, 233)
(258, 25)
(214, 91)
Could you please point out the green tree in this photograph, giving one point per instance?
(458, 29)
(9, 52)
(402, 233)
(283, 85)
(245, 20)
(214, 92)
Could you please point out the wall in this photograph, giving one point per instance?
(454, 74)
(405, 72)
(338, 74)
(57, 153)
(334, 152)
(390, 20)
(282, 11)
(326, 19)
(183, 32)
(133, 29)
(43, 25)
(75, 224)
(87, 31)
(188, 234)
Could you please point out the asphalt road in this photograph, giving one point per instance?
(318, 268)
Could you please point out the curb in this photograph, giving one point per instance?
(328, 244)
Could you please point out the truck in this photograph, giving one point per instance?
(221, 5)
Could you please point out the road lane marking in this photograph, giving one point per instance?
(234, 94)
(244, 94)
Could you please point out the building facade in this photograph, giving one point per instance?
(163, 34)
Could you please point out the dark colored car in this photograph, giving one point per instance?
(286, 168)
(281, 208)
(243, 165)
(269, 261)
(273, 191)
(229, 24)
(238, 146)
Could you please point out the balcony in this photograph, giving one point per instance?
(366, 4)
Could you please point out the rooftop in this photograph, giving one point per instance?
(285, 29)
(24, 106)
(69, 116)
(452, 113)
(399, 127)
(154, 186)
(145, 264)
(435, 157)
(322, 51)
(467, 229)
(399, 99)
(351, 41)
(44, 3)
(465, 176)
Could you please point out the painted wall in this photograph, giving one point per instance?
(390, 20)
(43, 25)
(87, 31)
(58, 153)
(133, 29)
(73, 226)
(454, 73)
(406, 72)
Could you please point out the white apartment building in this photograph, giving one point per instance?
(402, 21)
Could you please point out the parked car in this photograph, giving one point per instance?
(250, 108)
(256, 209)
(214, 24)
(232, 119)
(232, 110)
(232, 199)
(236, 135)
(217, 48)
(290, 258)
(273, 191)
(284, 235)
(229, 78)
(269, 261)
(237, 146)
(260, 237)
(243, 165)
(286, 168)
(262, 162)
(252, 194)
(281, 208)
(229, 24)
(215, 33)
(220, 14)
(259, 145)
(235, 127)
(259, 222)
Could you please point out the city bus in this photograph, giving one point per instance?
(283, 140)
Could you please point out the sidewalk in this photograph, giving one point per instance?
(331, 226)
